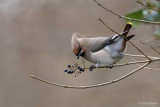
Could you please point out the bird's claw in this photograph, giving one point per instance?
(92, 67)
(111, 66)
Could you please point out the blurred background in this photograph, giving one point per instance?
(35, 39)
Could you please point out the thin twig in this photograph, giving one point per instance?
(150, 68)
(107, 26)
(149, 44)
(140, 50)
(147, 6)
(155, 49)
(128, 63)
(124, 37)
(140, 56)
(91, 86)
(120, 16)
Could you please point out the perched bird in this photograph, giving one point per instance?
(104, 51)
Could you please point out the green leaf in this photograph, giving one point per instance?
(157, 33)
(136, 14)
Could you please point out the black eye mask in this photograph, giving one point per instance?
(82, 54)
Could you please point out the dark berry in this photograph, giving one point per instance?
(65, 70)
(91, 69)
(68, 65)
(79, 67)
(82, 69)
(70, 72)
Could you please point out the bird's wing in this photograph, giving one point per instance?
(99, 43)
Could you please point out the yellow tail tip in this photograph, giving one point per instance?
(130, 23)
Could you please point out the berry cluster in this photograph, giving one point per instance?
(74, 69)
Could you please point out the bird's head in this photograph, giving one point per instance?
(77, 46)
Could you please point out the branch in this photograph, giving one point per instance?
(128, 40)
(141, 56)
(155, 49)
(129, 63)
(107, 26)
(150, 68)
(91, 86)
(149, 44)
(120, 16)
(138, 1)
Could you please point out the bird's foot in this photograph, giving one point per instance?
(92, 67)
(110, 66)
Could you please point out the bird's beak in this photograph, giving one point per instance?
(80, 54)
(77, 56)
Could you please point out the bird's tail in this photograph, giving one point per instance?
(124, 35)
(126, 29)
